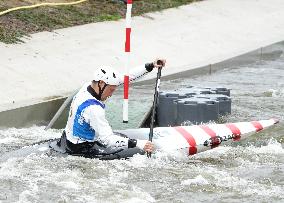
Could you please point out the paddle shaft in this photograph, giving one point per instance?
(154, 106)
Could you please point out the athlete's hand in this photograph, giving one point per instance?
(159, 63)
(149, 147)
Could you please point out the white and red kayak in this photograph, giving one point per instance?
(187, 139)
(198, 138)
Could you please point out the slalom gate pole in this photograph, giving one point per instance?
(127, 54)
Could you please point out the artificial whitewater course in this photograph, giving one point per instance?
(251, 170)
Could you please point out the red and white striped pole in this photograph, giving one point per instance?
(127, 53)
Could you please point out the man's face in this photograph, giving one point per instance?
(108, 91)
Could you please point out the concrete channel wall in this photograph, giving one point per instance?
(41, 113)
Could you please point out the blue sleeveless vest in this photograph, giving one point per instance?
(81, 128)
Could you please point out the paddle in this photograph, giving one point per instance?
(154, 105)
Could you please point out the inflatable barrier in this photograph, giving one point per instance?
(192, 104)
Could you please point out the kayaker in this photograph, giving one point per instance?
(87, 126)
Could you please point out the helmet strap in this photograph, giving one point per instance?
(101, 90)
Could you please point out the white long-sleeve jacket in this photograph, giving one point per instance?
(87, 121)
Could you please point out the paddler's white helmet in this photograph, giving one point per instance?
(108, 75)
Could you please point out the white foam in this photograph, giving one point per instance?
(138, 161)
(215, 153)
(276, 93)
(136, 200)
(236, 183)
(10, 168)
(273, 147)
(27, 136)
(42, 149)
(27, 195)
(140, 196)
(69, 184)
(198, 180)
(176, 155)
(7, 140)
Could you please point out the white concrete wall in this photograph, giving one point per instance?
(57, 63)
